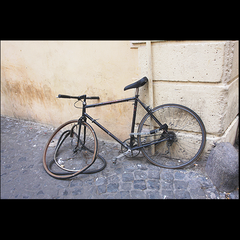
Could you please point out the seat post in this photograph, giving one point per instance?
(137, 91)
(132, 138)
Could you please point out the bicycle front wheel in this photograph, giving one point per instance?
(71, 150)
(180, 145)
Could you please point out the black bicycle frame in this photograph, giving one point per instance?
(136, 101)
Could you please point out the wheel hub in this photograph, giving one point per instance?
(171, 138)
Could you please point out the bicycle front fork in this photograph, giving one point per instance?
(79, 133)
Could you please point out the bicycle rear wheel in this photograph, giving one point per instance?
(180, 145)
(72, 149)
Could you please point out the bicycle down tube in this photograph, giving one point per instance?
(98, 124)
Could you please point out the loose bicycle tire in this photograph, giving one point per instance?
(64, 175)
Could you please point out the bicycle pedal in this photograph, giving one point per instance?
(121, 155)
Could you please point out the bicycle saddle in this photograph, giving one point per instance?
(137, 84)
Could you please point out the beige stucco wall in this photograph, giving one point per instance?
(202, 75)
(33, 73)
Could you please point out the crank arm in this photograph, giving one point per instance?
(121, 155)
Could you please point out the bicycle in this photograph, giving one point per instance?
(169, 136)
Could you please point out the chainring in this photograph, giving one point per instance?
(133, 153)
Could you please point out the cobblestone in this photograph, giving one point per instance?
(23, 176)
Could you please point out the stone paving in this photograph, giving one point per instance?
(23, 176)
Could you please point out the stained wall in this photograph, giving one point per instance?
(33, 73)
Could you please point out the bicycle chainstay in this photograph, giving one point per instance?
(164, 126)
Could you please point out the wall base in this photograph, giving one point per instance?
(228, 136)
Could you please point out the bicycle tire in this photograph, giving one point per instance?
(182, 146)
(49, 154)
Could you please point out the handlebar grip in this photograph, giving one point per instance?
(63, 96)
(93, 98)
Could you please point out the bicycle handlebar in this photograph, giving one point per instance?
(92, 97)
(76, 97)
(64, 96)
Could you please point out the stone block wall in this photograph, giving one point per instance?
(202, 75)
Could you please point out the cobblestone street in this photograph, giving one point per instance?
(23, 176)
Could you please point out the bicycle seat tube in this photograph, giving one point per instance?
(134, 117)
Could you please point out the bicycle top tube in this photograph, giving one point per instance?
(110, 102)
